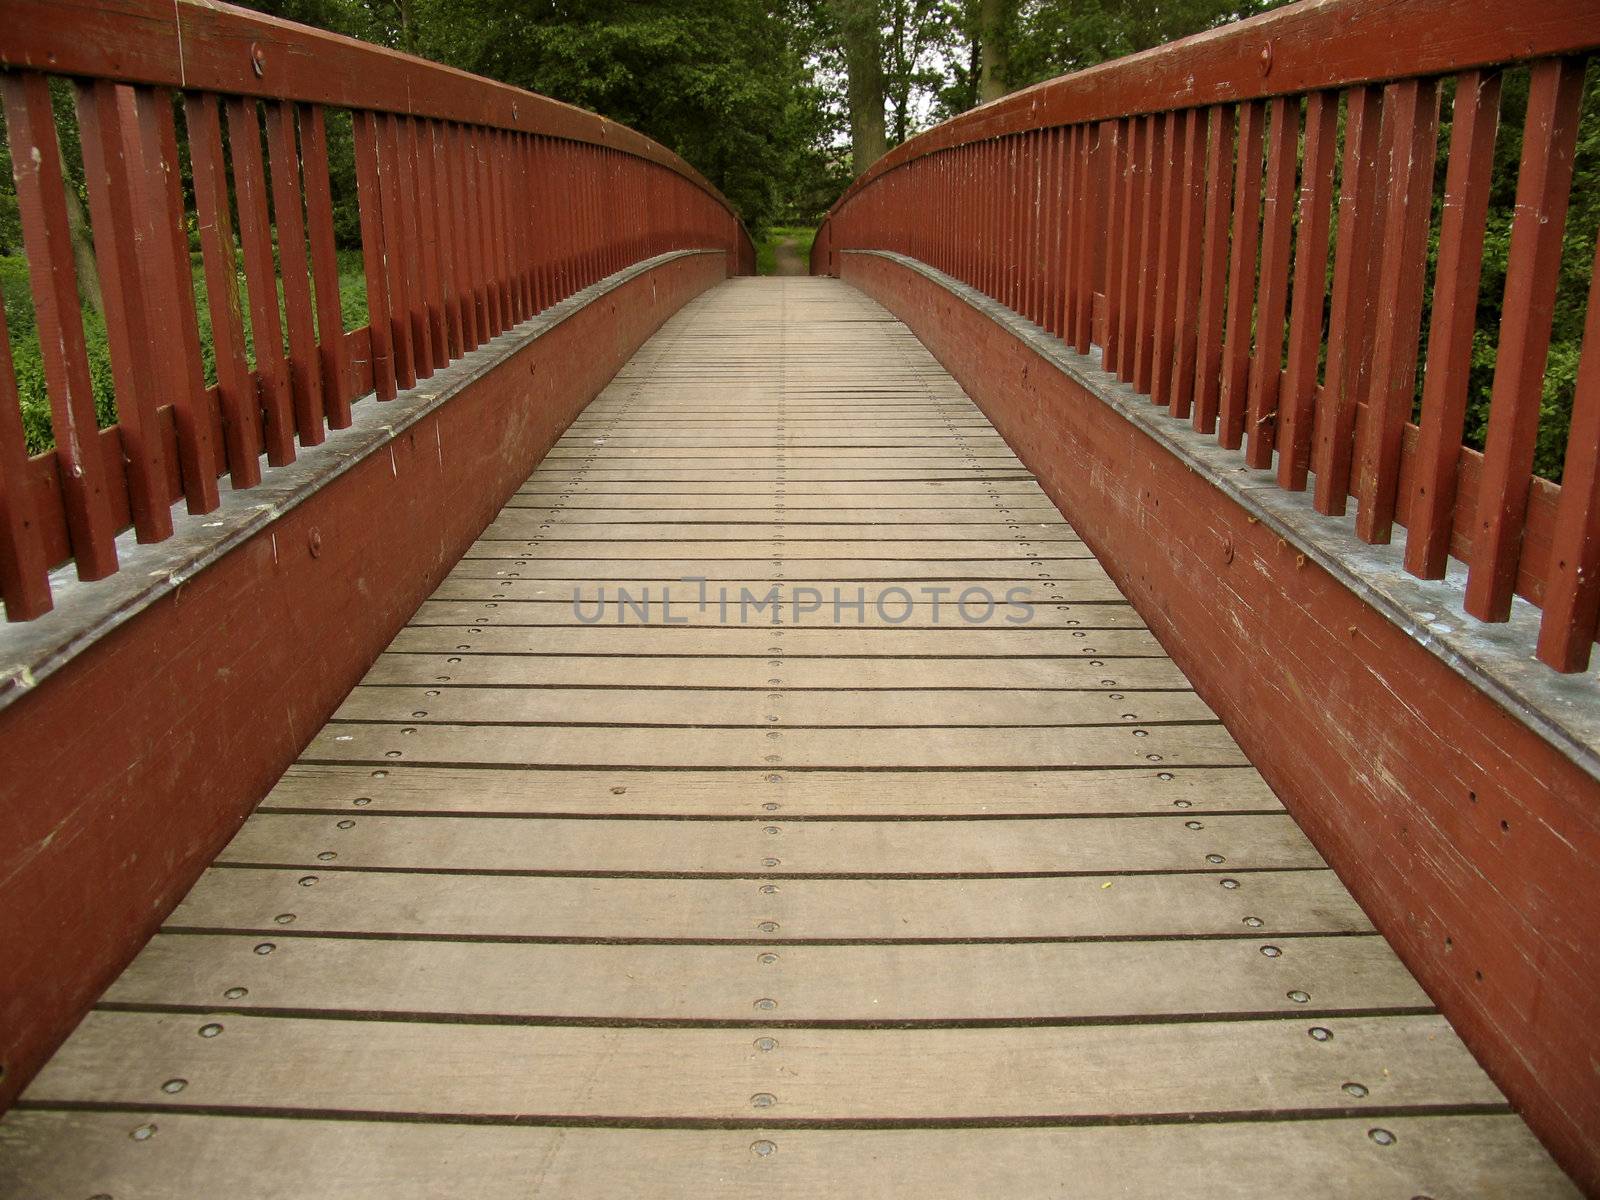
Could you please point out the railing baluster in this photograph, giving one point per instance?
(168, 292)
(24, 566)
(1401, 275)
(374, 253)
(336, 389)
(305, 367)
(1186, 276)
(41, 199)
(110, 187)
(1137, 170)
(1266, 367)
(1532, 271)
(1116, 241)
(445, 219)
(419, 155)
(1296, 405)
(1431, 515)
(1242, 276)
(1348, 322)
(1172, 207)
(1572, 580)
(241, 412)
(1151, 189)
(407, 257)
(1220, 128)
(261, 285)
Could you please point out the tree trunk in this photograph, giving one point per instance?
(994, 58)
(861, 27)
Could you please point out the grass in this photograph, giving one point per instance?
(767, 247)
(29, 364)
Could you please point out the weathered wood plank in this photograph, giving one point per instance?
(544, 1073)
(344, 789)
(490, 907)
(370, 1160)
(591, 745)
(763, 710)
(773, 849)
(869, 985)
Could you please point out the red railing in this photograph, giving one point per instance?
(479, 206)
(1176, 209)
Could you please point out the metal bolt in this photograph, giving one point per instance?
(1272, 951)
(1215, 858)
(768, 889)
(284, 918)
(764, 1148)
(768, 927)
(1299, 997)
(1358, 1090)
(347, 824)
(767, 957)
(307, 880)
(144, 1133)
(766, 1044)
(265, 947)
(1194, 825)
(1230, 884)
(763, 1100)
(211, 1030)
(766, 1004)
(173, 1086)
(236, 993)
(1382, 1136)
(314, 538)
(258, 59)
(1319, 1034)
(1254, 922)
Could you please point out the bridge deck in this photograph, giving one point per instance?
(893, 899)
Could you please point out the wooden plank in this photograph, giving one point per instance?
(373, 1160)
(801, 606)
(345, 790)
(779, 642)
(731, 707)
(548, 1073)
(1048, 568)
(557, 670)
(499, 907)
(582, 746)
(752, 849)
(921, 551)
(1062, 981)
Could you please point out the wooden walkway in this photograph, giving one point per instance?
(900, 899)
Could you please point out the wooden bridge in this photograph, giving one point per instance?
(613, 725)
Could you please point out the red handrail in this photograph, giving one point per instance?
(1174, 208)
(480, 205)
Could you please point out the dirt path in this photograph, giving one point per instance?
(788, 259)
